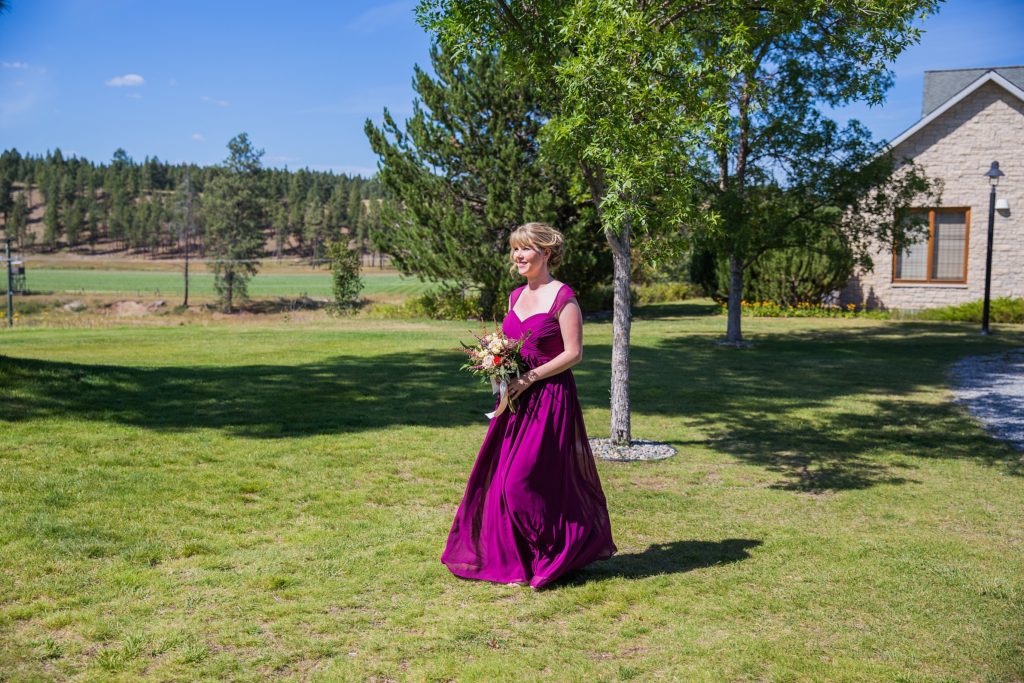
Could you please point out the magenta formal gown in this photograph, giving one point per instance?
(533, 509)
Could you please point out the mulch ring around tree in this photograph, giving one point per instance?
(638, 449)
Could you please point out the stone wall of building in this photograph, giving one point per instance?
(958, 147)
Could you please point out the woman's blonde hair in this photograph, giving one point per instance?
(540, 236)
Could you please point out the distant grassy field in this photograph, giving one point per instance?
(270, 502)
(164, 283)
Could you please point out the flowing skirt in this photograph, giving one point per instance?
(533, 509)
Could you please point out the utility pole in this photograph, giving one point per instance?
(187, 210)
(10, 283)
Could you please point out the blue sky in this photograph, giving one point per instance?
(178, 80)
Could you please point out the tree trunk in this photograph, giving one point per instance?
(733, 330)
(229, 284)
(185, 303)
(622, 315)
(621, 321)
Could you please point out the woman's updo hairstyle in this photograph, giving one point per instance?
(540, 236)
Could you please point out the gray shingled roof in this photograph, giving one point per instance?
(939, 86)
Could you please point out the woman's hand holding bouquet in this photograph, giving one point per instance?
(497, 359)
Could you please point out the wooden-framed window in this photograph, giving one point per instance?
(942, 255)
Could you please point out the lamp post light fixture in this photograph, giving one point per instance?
(994, 174)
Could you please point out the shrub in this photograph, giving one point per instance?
(1001, 310)
(446, 303)
(805, 309)
(450, 303)
(660, 292)
(345, 276)
(782, 276)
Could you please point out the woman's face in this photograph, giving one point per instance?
(529, 260)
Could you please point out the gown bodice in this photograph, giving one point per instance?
(543, 334)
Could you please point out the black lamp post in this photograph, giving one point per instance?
(994, 174)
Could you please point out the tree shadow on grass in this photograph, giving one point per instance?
(832, 409)
(337, 395)
(827, 409)
(676, 557)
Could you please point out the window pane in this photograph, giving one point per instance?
(950, 245)
(912, 260)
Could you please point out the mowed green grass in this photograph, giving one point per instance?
(166, 283)
(253, 503)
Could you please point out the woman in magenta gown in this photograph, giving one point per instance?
(533, 509)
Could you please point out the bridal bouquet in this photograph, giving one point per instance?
(497, 359)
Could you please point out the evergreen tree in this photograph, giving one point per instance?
(53, 225)
(17, 226)
(467, 171)
(93, 219)
(338, 205)
(234, 209)
(6, 194)
(121, 197)
(314, 224)
(354, 213)
(280, 228)
(75, 222)
(122, 200)
(298, 189)
(155, 224)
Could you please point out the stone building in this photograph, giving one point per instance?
(970, 118)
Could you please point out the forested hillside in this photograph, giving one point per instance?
(51, 202)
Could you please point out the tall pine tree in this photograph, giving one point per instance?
(314, 224)
(234, 211)
(466, 171)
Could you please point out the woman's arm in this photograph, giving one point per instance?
(570, 320)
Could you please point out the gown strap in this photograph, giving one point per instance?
(564, 296)
(514, 296)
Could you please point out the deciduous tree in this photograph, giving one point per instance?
(640, 90)
(778, 173)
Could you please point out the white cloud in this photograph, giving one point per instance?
(15, 65)
(129, 80)
(213, 100)
(134, 95)
(198, 137)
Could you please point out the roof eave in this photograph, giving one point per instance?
(987, 77)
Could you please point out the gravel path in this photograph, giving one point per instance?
(992, 389)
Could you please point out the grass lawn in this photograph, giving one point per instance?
(171, 284)
(252, 502)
